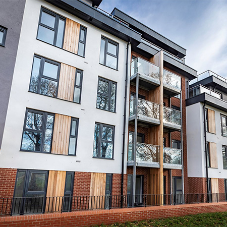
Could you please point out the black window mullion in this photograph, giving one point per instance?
(106, 47)
(49, 78)
(43, 130)
(56, 29)
(109, 94)
(46, 26)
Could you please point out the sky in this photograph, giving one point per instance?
(199, 26)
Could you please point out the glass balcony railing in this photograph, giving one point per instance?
(144, 108)
(171, 80)
(145, 153)
(171, 116)
(144, 68)
(201, 89)
(172, 156)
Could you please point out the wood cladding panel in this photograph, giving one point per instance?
(214, 189)
(72, 33)
(213, 155)
(97, 188)
(211, 121)
(55, 190)
(60, 143)
(66, 82)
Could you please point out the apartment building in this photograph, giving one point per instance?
(206, 133)
(93, 105)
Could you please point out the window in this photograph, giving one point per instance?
(69, 180)
(38, 130)
(31, 184)
(2, 36)
(73, 136)
(224, 156)
(45, 76)
(106, 97)
(78, 86)
(164, 142)
(206, 119)
(223, 125)
(175, 107)
(103, 141)
(108, 191)
(82, 41)
(176, 144)
(109, 53)
(208, 154)
(51, 28)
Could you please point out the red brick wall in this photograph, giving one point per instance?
(196, 185)
(82, 183)
(108, 217)
(116, 184)
(7, 182)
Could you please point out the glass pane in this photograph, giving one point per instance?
(103, 87)
(102, 102)
(111, 61)
(1, 37)
(112, 49)
(60, 33)
(72, 146)
(81, 49)
(48, 133)
(107, 133)
(31, 141)
(82, 35)
(46, 35)
(106, 150)
(48, 87)
(19, 184)
(102, 52)
(68, 184)
(34, 121)
(35, 75)
(96, 140)
(113, 98)
(50, 70)
(73, 130)
(37, 182)
(78, 75)
(48, 19)
(76, 95)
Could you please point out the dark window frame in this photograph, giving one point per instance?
(208, 155)
(178, 142)
(206, 120)
(42, 76)
(78, 86)
(107, 40)
(44, 117)
(110, 83)
(55, 29)
(223, 155)
(223, 116)
(108, 201)
(4, 30)
(175, 107)
(82, 41)
(76, 134)
(100, 140)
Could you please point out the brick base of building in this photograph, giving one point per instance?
(107, 217)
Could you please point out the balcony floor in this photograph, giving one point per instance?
(171, 126)
(170, 91)
(144, 119)
(171, 166)
(145, 164)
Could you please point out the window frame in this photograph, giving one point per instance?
(80, 86)
(44, 117)
(83, 42)
(178, 142)
(206, 120)
(208, 155)
(76, 134)
(41, 76)
(100, 140)
(4, 30)
(110, 83)
(223, 155)
(55, 29)
(107, 40)
(222, 115)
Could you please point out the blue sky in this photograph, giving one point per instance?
(200, 26)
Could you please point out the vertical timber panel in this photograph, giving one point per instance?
(60, 143)
(211, 121)
(214, 189)
(213, 155)
(66, 82)
(55, 190)
(71, 39)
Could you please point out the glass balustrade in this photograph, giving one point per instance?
(171, 116)
(171, 80)
(172, 156)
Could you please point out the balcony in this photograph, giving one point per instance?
(148, 73)
(171, 118)
(171, 83)
(147, 155)
(147, 111)
(172, 158)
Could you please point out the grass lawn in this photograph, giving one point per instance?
(210, 219)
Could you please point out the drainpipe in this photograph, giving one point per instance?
(205, 144)
(182, 145)
(124, 127)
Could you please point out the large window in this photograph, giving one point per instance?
(45, 76)
(38, 130)
(78, 86)
(103, 141)
(2, 36)
(223, 125)
(51, 28)
(106, 97)
(224, 156)
(73, 136)
(82, 41)
(109, 53)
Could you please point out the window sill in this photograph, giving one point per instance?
(40, 152)
(103, 158)
(108, 67)
(106, 110)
